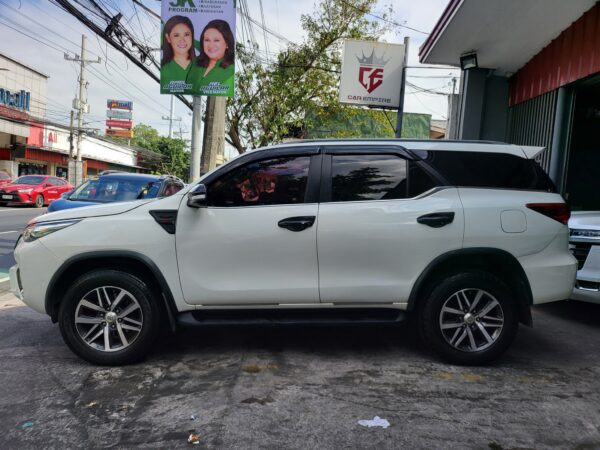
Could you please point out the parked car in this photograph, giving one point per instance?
(4, 178)
(118, 187)
(37, 190)
(585, 244)
(462, 236)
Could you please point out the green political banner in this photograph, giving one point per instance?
(198, 47)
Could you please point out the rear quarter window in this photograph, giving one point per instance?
(489, 170)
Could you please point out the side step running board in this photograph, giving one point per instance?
(358, 316)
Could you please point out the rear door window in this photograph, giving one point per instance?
(367, 177)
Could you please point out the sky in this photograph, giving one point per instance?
(117, 78)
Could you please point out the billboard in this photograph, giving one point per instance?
(119, 133)
(126, 124)
(371, 73)
(119, 114)
(198, 47)
(119, 104)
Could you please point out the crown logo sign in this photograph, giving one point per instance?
(372, 60)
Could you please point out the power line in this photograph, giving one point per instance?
(383, 18)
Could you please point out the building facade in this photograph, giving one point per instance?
(537, 82)
(31, 144)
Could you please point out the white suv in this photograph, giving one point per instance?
(462, 236)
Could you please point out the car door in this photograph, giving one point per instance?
(51, 189)
(255, 242)
(381, 221)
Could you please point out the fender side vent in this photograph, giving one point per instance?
(166, 218)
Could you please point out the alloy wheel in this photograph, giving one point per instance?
(471, 320)
(108, 319)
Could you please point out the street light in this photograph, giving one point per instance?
(469, 61)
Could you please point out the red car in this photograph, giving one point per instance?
(37, 190)
(4, 178)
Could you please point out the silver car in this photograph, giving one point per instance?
(584, 242)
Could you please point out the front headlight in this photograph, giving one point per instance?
(41, 229)
(27, 191)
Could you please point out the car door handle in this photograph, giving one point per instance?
(436, 220)
(297, 223)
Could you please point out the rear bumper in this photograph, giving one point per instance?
(551, 272)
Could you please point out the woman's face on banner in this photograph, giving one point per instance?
(214, 44)
(180, 39)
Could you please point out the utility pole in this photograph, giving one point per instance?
(196, 145)
(82, 107)
(71, 146)
(402, 88)
(213, 145)
(171, 117)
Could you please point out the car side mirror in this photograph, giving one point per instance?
(198, 197)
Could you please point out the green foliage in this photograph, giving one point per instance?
(280, 99)
(175, 159)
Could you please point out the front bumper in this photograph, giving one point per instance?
(19, 197)
(587, 286)
(15, 282)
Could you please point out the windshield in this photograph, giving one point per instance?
(105, 190)
(29, 180)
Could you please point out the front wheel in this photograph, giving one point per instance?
(39, 201)
(109, 317)
(469, 318)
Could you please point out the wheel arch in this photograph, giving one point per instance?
(134, 263)
(498, 262)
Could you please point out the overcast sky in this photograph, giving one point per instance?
(120, 79)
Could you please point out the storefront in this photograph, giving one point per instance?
(535, 82)
(30, 144)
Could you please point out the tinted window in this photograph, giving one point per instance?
(367, 177)
(55, 181)
(106, 190)
(269, 182)
(419, 181)
(494, 170)
(29, 179)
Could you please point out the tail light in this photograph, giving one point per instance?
(560, 212)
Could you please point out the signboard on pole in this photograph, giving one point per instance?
(119, 133)
(198, 47)
(125, 124)
(119, 114)
(371, 73)
(119, 104)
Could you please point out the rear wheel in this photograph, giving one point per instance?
(109, 317)
(39, 201)
(469, 318)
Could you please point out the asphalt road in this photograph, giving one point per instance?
(303, 388)
(13, 220)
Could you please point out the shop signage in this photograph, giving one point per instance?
(18, 100)
(371, 73)
(119, 133)
(119, 104)
(127, 124)
(119, 114)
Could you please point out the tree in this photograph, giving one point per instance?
(273, 101)
(175, 158)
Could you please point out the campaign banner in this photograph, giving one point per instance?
(119, 114)
(198, 47)
(371, 73)
(127, 124)
(119, 133)
(119, 104)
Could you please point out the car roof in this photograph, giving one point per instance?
(129, 176)
(415, 144)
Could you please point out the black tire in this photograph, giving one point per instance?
(113, 280)
(39, 201)
(430, 319)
